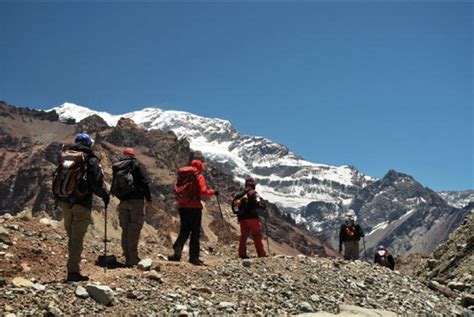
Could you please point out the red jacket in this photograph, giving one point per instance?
(203, 193)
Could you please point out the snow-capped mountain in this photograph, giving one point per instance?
(284, 178)
(458, 199)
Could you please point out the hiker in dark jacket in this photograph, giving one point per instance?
(384, 258)
(190, 214)
(76, 209)
(349, 235)
(131, 208)
(248, 216)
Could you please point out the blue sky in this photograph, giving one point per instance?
(376, 85)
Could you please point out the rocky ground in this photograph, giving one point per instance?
(33, 257)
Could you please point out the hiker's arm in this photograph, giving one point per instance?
(203, 190)
(391, 262)
(144, 182)
(96, 176)
(359, 230)
(341, 238)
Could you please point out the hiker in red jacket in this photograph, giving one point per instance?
(190, 188)
(249, 203)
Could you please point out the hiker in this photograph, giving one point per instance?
(131, 186)
(190, 188)
(349, 235)
(78, 176)
(384, 258)
(249, 203)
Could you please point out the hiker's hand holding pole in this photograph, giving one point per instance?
(106, 200)
(149, 207)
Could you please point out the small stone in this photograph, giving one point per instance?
(457, 286)
(314, 298)
(22, 282)
(9, 308)
(179, 307)
(204, 290)
(39, 287)
(7, 216)
(54, 310)
(49, 222)
(4, 238)
(145, 264)
(37, 251)
(81, 292)
(226, 305)
(132, 294)
(100, 293)
(246, 263)
(25, 267)
(467, 300)
(13, 227)
(306, 307)
(155, 276)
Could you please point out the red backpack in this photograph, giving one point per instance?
(186, 188)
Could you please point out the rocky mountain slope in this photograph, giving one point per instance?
(399, 212)
(31, 273)
(29, 147)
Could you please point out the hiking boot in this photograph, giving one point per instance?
(76, 277)
(243, 257)
(132, 263)
(175, 257)
(196, 262)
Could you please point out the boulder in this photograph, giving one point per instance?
(22, 282)
(145, 264)
(100, 293)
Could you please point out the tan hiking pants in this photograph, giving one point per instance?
(351, 250)
(76, 220)
(131, 216)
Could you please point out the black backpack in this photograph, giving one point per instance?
(122, 178)
(70, 174)
(240, 203)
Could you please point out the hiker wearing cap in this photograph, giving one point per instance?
(131, 186)
(190, 188)
(79, 175)
(246, 205)
(384, 258)
(349, 235)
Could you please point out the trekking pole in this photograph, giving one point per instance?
(105, 238)
(220, 210)
(266, 229)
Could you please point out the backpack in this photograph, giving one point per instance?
(186, 188)
(240, 203)
(71, 171)
(122, 178)
(350, 231)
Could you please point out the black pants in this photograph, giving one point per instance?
(190, 224)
